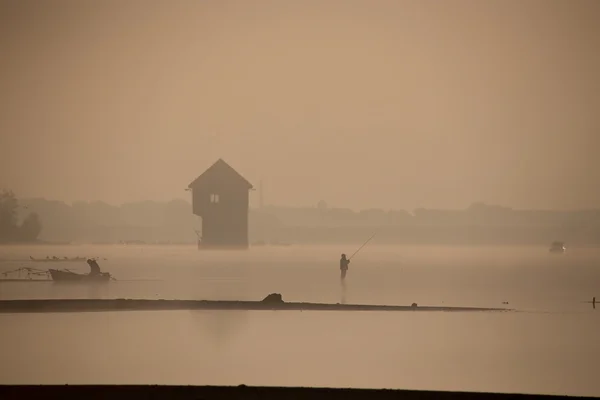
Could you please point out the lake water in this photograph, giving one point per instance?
(550, 345)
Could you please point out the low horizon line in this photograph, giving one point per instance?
(315, 206)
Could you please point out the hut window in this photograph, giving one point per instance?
(214, 198)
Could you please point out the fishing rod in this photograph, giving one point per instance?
(363, 245)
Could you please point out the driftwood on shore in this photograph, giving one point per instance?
(90, 305)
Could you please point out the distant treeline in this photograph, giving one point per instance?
(17, 224)
(173, 222)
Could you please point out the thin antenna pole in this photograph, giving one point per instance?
(261, 204)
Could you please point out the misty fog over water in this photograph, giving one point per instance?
(548, 346)
(463, 132)
(526, 276)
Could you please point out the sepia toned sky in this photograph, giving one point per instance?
(374, 103)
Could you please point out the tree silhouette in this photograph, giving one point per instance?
(8, 215)
(31, 227)
(10, 231)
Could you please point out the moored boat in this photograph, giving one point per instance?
(69, 276)
(557, 247)
(56, 259)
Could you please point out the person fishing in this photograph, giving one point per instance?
(344, 262)
(94, 267)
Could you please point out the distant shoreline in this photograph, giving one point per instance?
(35, 243)
(296, 245)
(9, 392)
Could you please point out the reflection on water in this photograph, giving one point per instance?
(511, 352)
(551, 348)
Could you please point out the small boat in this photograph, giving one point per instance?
(557, 247)
(69, 276)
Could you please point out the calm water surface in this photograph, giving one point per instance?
(549, 346)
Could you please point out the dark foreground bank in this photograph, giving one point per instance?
(91, 305)
(235, 392)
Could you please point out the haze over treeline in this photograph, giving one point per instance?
(172, 221)
(13, 230)
(378, 103)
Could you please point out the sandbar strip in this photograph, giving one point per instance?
(93, 305)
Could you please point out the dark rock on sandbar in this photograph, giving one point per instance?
(273, 298)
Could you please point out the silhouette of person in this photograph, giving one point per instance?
(94, 267)
(344, 266)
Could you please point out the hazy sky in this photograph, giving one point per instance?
(393, 104)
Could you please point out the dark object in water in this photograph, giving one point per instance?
(557, 247)
(273, 298)
(68, 276)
